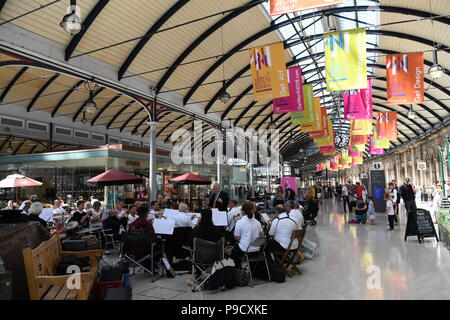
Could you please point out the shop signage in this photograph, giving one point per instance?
(421, 165)
(377, 166)
(423, 226)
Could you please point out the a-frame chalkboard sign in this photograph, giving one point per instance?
(422, 226)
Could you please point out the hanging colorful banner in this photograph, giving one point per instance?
(360, 127)
(291, 181)
(354, 139)
(358, 160)
(373, 150)
(404, 73)
(345, 60)
(387, 127)
(307, 115)
(315, 116)
(379, 143)
(278, 7)
(354, 153)
(328, 164)
(326, 141)
(329, 149)
(269, 72)
(294, 102)
(324, 132)
(358, 103)
(357, 147)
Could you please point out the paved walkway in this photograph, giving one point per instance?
(346, 266)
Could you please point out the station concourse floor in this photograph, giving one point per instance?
(348, 258)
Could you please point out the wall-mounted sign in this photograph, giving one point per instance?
(421, 165)
(364, 176)
(377, 166)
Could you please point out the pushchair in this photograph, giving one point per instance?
(310, 213)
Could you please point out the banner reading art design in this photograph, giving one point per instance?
(269, 72)
(387, 127)
(345, 60)
(324, 132)
(307, 115)
(294, 102)
(358, 103)
(404, 73)
(278, 7)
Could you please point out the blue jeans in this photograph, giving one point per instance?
(360, 217)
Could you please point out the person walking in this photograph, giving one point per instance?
(345, 198)
(289, 194)
(393, 192)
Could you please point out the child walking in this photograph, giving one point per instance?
(390, 210)
(370, 210)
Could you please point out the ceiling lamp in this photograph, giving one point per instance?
(224, 96)
(272, 124)
(411, 114)
(90, 106)
(71, 22)
(84, 119)
(436, 71)
(291, 141)
(10, 149)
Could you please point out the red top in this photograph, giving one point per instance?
(359, 191)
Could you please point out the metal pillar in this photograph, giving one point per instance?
(441, 168)
(268, 178)
(413, 169)
(251, 182)
(152, 162)
(219, 155)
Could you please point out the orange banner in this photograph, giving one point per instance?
(404, 73)
(387, 128)
(269, 73)
(324, 132)
(316, 125)
(358, 139)
(278, 7)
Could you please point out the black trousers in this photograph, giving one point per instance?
(273, 246)
(346, 201)
(236, 255)
(391, 221)
(411, 209)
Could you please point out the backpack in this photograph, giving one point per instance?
(221, 278)
(71, 260)
(241, 277)
(275, 274)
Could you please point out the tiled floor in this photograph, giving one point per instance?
(349, 259)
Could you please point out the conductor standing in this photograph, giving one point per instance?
(219, 199)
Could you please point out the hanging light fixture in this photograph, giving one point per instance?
(9, 150)
(411, 114)
(90, 107)
(84, 119)
(224, 95)
(272, 124)
(71, 22)
(291, 141)
(436, 71)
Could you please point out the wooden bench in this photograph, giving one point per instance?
(40, 264)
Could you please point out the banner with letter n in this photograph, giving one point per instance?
(358, 103)
(404, 73)
(295, 101)
(307, 115)
(345, 60)
(269, 73)
(387, 127)
(278, 7)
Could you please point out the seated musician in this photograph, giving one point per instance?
(205, 229)
(34, 212)
(155, 210)
(122, 214)
(281, 231)
(112, 223)
(79, 215)
(184, 219)
(292, 208)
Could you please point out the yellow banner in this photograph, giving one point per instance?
(358, 160)
(307, 115)
(345, 60)
(316, 117)
(269, 73)
(361, 127)
(357, 147)
(378, 143)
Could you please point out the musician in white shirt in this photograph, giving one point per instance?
(292, 208)
(233, 214)
(95, 215)
(281, 230)
(57, 209)
(155, 211)
(132, 215)
(183, 218)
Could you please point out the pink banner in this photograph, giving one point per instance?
(358, 103)
(354, 153)
(375, 151)
(291, 181)
(327, 149)
(294, 102)
(333, 165)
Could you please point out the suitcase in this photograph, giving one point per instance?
(92, 242)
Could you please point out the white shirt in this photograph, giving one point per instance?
(121, 214)
(183, 219)
(394, 195)
(248, 230)
(235, 212)
(131, 219)
(282, 228)
(95, 213)
(345, 191)
(389, 208)
(58, 210)
(297, 216)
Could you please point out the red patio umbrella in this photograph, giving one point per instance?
(115, 177)
(190, 179)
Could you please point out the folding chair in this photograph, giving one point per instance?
(284, 259)
(255, 257)
(204, 256)
(108, 237)
(133, 238)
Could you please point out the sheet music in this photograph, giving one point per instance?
(170, 213)
(220, 218)
(265, 216)
(164, 226)
(22, 206)
(46, 214)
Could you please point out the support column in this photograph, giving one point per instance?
(397, 170)
(405, 163)
(152, 162)
(251, 183)
(268, 177)
(413, 169)
(421, 171)
(219, 158)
